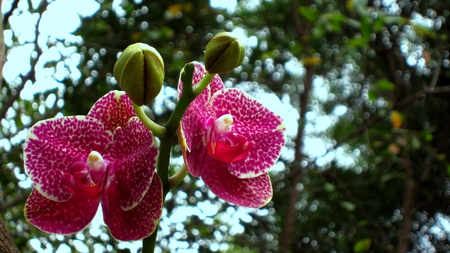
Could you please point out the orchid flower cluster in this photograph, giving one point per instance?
(118, 158)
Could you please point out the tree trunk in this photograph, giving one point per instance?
(6, 242)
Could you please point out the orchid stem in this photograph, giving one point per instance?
(200, 86)
(167, 134)
(149, 243)
(157, 130)
(178, 176)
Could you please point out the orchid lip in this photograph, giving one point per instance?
(223, 143)
(87, 179)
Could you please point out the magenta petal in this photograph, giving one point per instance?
(113, 109)
(195, 158)
(134, 151)
(53, 145)
(251, 192)
(258, 124)
(59, 217)
(138, 222)
(192, 130)
(192, 138)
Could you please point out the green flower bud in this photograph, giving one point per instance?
(140, 72)
(223, 53)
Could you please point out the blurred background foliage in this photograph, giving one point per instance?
(363, 86)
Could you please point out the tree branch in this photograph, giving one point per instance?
(408, 206)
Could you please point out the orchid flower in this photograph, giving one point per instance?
(230, 140)
(78, 162)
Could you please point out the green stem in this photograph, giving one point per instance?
(157, 130)
(200, 86)
(149, 243)
(176, 179)
(167, 135)
(163, 163)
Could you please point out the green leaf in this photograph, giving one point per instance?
(332, 21)
(415, 143)
(309, 13)
(379, 23)
(427, 136)
(353, 23)
(357, 42)
(372, 95)
(384, 84)
(366, 27)
(318, 32)
(362, 245)
(390, 176)
(329, 187)
(349, 206)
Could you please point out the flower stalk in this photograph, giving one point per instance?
(167, 139)
(157, 130)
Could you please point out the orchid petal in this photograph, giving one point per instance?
(255, 192)
(192, 126)
(138, 222)
(191, 133)
(53, 145)
(134, 151)
(59, 217)
(113, 109)
(258, 124)
(232, 153)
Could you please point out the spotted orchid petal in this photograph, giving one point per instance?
(138, 222)
(53, 145)
(194, 123)
(231, 140)
(113, 109)
(134, 150)
(253, 192)
(74, 162)
(258, 124)
(60, 217)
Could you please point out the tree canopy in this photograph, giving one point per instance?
(362, 86)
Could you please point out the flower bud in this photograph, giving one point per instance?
(140, 72)
(223, 53)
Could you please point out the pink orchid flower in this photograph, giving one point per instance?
(230, 140)
(76, 162)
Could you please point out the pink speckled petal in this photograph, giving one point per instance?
(192, 130)
(53, 145)
(192, 135)
(194, 158)
(252, 192)
(113, 109)
(59, 217)
(138, 222)
(260, 125)
(134, 151)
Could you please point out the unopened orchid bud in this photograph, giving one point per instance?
(223, 53)
(140, 72)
